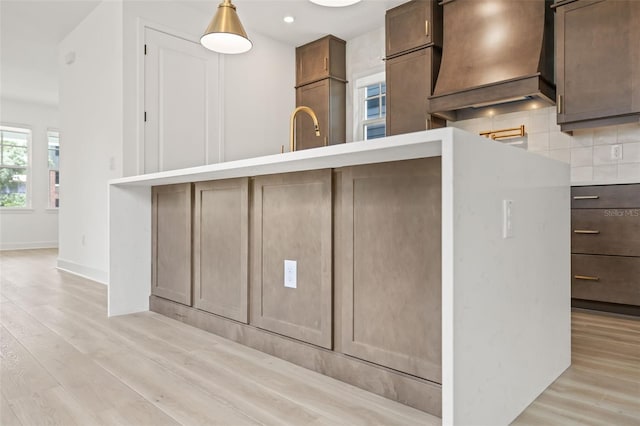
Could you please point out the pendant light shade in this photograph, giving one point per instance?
(225, 33)
(335, 3)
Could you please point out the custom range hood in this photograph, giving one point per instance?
(497, 57)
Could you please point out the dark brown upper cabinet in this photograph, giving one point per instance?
(597, 62)
(327, 98)
(320, 59)
(410, 79)
(413, 25)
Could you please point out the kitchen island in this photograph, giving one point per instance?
(492, 249)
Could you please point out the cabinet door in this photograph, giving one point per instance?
(390, 265)
(412, 25)
(613, 279)
(321, 59)
(317, 97)
(291, 221)
(598, 59)
(614, 232)
(221, 248)
(171, 242)
(410, 79)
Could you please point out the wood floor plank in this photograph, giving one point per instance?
(53, 406)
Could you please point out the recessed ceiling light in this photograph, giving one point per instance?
(289, 19)
(335, 3)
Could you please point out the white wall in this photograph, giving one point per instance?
(364, 57)
(91, 125)
(36, 227)
(587, 151)
(257, 87)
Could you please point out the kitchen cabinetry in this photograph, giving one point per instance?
(171, 242)
(327, 99)
(221, 238)
(391, 273)
(291, 221)
(413, 25)
(410, 79)
(413, 49)
(597, 62)
(321, 85)
(322, 58)
(605, 246)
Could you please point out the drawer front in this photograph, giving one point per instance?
(605, 231)
(614, 279)
(605, 196)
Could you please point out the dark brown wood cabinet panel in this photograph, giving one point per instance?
(327, 98)
(613, 279)
(320, 59)
(412, 25)
(390, 275)
(598, 62)
(171, 242)
(221, 254)
(606, 231)
(291, 220)
(410, 79)
(605, 196)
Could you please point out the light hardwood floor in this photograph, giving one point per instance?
(64, 362)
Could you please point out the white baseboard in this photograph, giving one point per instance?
(28, 246)
(83, 271)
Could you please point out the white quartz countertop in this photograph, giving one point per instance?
(394, 148)
(607, 182)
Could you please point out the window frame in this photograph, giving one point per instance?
(22, 128)
(359, 96)
(49, 169)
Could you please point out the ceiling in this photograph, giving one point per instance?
(30, 31)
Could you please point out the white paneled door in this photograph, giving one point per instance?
(181, 91)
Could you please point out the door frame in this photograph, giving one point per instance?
(141, 26)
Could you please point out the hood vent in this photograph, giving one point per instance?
(497, 58)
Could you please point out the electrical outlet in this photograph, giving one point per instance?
(507, 218)
(291, 274)
(616, 152)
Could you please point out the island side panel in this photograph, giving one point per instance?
(129, 249)
(510, 318)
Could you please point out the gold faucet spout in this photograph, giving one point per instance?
(292, 125)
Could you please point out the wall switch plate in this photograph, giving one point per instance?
(291, 274)
(507, 219)
(616, 152)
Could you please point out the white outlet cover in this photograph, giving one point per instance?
(291, 274)
(616, 152)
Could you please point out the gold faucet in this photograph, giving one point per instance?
(292, 129)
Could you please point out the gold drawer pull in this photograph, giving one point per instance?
(586, 197)
(585, 231)
(586, 278)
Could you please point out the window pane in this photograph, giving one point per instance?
(54, 189)
(14, 138)
(373, 90)
(373, 108)
(13, 155)
(54, 157)
(384, 87)
(13, 187)
(384, 106)
(373, 131)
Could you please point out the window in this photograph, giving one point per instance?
(53, 138)
(375, 109)
(370, 107)
(14, 166)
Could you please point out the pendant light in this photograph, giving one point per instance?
(225, 33)
(335, 3)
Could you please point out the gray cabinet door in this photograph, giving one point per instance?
(291, 220)
(598, 60)
(412, 25)
(390, 267)
(171, 242)
(221, 247)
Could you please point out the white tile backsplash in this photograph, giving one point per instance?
(588, 151)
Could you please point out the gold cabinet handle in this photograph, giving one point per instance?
(326, 63)
(560, 104)
(586, 197)
(585, 231)
(426, 28)
(326, 141)
(586, 278)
